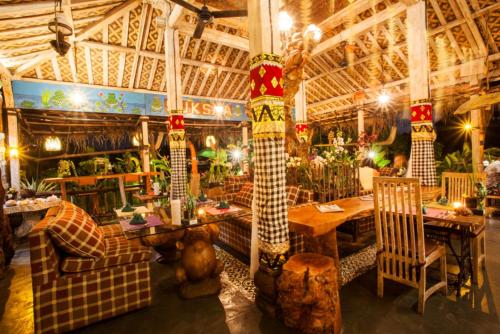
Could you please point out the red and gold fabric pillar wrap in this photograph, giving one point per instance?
(301, 128)
(177, 142)
(422, 143)
(268, 130)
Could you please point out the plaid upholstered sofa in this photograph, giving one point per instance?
(236, 233)
(83, 273)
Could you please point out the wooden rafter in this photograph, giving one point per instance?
(109, 17)
(124, 39)
(359, 28)
(138, 44)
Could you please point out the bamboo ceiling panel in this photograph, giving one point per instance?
(65, 68)
(115, 32)
(133, 28)
(146, 70)
(158, 75)
(113, 61)
(96, 60)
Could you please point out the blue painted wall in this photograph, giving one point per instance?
(45, 96)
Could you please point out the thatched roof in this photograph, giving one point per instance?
(120, 44)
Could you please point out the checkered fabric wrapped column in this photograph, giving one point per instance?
(268, 129)
(422, 139)
(177, 153)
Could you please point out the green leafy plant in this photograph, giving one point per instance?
(458, 161)
(128, 164)
(380, 157)
(35, 186)
(66, 168)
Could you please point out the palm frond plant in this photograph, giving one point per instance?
(30, 188)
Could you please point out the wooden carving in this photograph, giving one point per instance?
(296, 56)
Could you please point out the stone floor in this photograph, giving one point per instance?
(231, 312)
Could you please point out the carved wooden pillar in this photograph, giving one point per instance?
(422, 130)
(301, 126)
(176, 133)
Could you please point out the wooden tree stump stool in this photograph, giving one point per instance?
(308, 294)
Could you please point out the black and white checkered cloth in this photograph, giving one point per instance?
(423, 162)
(270, 195)
(179, 175)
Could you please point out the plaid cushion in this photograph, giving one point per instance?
(292, 195)
(305, 196)
(77, 300)
(119, 251)
(111, 230)
(233, 184)
(74, 231)
(245, 195)
(236, 234)
(388, 171)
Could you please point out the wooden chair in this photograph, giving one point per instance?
(403, 254)
(454, 186)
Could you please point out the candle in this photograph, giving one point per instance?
(457, 205)
(201, 212)
(176, 211)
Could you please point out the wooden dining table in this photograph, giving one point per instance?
(320, 229)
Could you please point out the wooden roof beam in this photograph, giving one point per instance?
(482, 50)
(109, 17)
(216, 36)
(145, 12)
(123, 55)
(472, 66)
(352, 10)
(33, 62)
(360, 27)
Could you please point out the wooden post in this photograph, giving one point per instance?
(176, 132)
(476, 145)
(13, 141)
(301, 126)
(244, 139)
(361, 121)
(145, 144)
(12, 137)
(423, 135)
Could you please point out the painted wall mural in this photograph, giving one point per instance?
(70, 97)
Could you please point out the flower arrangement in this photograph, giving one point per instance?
(337, 151)
(293, 162)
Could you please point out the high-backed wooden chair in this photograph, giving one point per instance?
(454, 186)
(403, 253)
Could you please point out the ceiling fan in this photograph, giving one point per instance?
(205, 16)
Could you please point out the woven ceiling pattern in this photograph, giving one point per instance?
(128, 51)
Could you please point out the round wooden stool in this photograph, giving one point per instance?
(308, 294)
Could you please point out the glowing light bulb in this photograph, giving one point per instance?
(236, 154)
(467, 126)
(315, 31)
(219, 109)
(285, 21)
(135, 141)
(14, 152)
(371, 154)
(210, 141)
(52, 144)
(384, 98)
